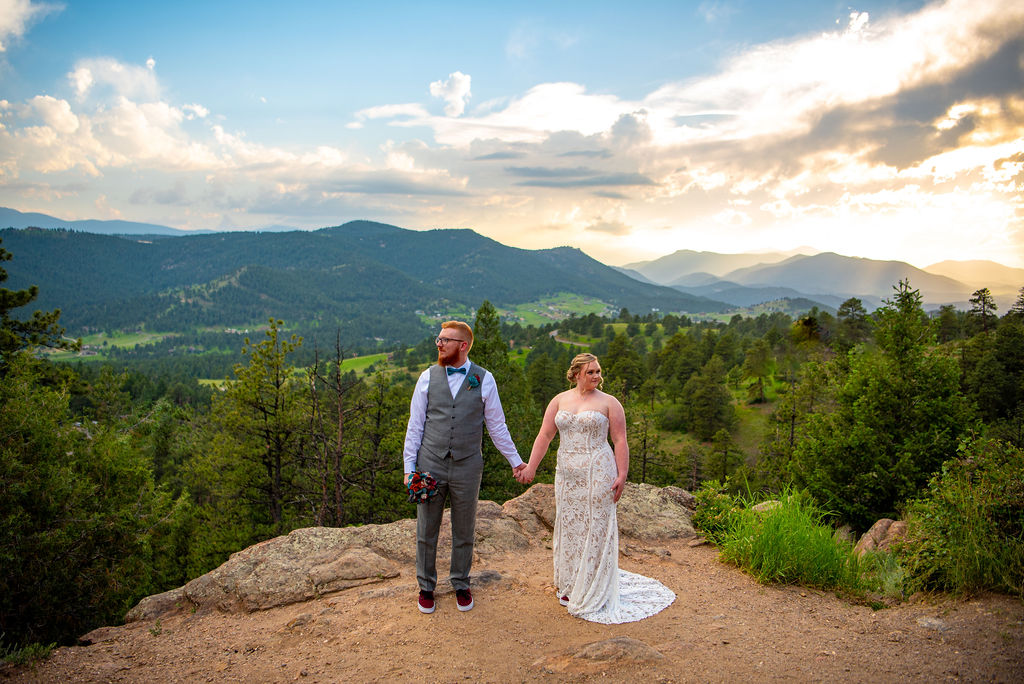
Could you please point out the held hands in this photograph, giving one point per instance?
(523, 474)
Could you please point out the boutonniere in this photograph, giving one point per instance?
(473, 381)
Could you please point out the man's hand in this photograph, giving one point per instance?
(408, 480)
(517, 473)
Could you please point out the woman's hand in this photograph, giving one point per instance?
(525, 475)
(617, 487)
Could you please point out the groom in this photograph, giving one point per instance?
(450, 405)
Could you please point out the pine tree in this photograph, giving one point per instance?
(41, 330)
(983, 307)
(491, 352)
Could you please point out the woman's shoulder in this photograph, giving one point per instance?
(556, 400)
(609, 400)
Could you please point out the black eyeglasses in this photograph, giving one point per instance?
(446, 340)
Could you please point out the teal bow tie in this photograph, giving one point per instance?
(452, 371)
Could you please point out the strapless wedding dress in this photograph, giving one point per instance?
(586, 538)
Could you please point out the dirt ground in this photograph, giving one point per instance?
(723, 627)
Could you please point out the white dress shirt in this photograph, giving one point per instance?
(494, 417)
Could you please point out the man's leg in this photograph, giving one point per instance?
(428, 523)
(464, 489)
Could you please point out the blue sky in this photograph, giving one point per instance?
(890, 130)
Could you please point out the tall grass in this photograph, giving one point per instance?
(24, 655)
(789, 543)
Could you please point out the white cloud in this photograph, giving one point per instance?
(55, 113)
(455, 92)
(807, 76)
(195, 111)
(17, 15)
(128, 80)
(392, 111)
(813, 140)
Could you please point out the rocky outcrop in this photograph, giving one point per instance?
(881, 536)
(316, 561)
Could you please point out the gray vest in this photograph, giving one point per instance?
(454, 425)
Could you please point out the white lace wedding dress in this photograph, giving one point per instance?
(586, 539)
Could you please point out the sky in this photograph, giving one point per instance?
(886, 130)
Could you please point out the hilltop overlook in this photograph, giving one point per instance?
(722, 627)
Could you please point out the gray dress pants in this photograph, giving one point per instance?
(459, 482)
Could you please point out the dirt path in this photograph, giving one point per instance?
(723, 627)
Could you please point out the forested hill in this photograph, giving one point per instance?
(360, 273)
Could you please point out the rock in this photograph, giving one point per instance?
(680, 496)
(765, 506)
(495, 532)
(534, 510)
(647, 512)
(600, 655)
(317, 561)
(897, 531)
(933, 623)
(98, 635)
(152, 607)
(881, 536)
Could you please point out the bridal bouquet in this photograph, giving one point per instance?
(421, 487)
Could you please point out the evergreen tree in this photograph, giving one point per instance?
(947, 324)
(723, 457)
(983, 307)
(263, 416)
(623, 363)
(490, 351)
(854, 326)
(757, 369)
(707, 402)
(545, 378)
(372, 475)
(897, 415)
(1017, 309)
(80, 516)
(42, 329)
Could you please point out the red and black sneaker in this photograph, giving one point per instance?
(464, 599)
(426, 601)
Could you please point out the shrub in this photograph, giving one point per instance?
(717, 512)
(967, 533)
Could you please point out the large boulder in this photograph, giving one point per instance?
(647, 513)
(315, 561)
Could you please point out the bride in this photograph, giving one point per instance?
(589, 479)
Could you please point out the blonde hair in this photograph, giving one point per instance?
(579, 362)
(461, 327)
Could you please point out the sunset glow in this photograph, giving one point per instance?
(631, 130)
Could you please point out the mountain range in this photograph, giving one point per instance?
(826, 278)
(383, 277)
(374, 277)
